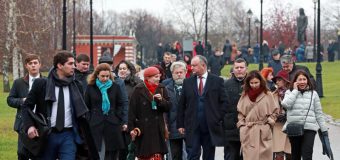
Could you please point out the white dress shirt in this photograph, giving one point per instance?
(67, 104)
(204, 79)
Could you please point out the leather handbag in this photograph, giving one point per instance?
(37, 144)
(294, 129)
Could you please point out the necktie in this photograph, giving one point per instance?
(60, 111)
(200, 86)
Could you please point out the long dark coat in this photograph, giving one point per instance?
(36, 98)
(214, 105)
(150, 122)
(107, 127)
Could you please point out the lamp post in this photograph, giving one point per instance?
(74, 28)
(261, 38)
(314, 42)
(91, 38)
(249, 14)
(64, 26)
(319, 87)
(257, 25)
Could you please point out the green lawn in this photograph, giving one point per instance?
(330, 102)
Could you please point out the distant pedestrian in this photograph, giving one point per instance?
(267, 74)
(309, 52)
(275, 61)
(82, 69)
(216, 62)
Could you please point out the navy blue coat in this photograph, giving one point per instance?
(172, 115)
(214, 103)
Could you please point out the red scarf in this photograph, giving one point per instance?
(151, 87)
(254, 93)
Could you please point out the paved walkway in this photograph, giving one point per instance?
(334, 136)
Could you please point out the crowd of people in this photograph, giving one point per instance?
(177, 109)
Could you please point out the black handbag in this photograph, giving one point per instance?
(37, 144)
(295, 129)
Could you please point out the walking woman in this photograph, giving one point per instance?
(257, 112)
(127, 72)
(303, 106)
(102, 98)
(281, 144)
(148, 102)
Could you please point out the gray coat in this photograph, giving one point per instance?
(297, 105)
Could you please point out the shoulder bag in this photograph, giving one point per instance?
(294, 129)
(37, 144)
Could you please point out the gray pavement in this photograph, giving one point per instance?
(334, 132)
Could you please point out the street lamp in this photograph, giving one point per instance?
(314, 42)
(64, 25)
(91, 38)
(249, 14)
(257, 25)
(319, 88)
(261, 38)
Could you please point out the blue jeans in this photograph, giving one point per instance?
(61, 146)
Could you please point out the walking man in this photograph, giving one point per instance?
(18, 94)
(200, 111)
(60, 98)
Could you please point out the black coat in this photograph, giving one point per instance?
(107, 127)
(172, 115)
(36, 98)
(233, 94)
(82, 78)
(16, 97)
(150, 122)
(303, 68)
(214, 104)
(216, 64)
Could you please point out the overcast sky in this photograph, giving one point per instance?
(159, 7)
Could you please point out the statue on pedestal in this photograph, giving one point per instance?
(302, 22)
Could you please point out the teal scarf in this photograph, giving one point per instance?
(105, 98)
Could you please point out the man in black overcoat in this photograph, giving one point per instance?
(18, 94)
(200, 111)
(59, 97)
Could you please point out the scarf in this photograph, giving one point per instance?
(76, 97)
(105, 98)
(151, 87)
(254, 93)
(304, 90)
(281, 92)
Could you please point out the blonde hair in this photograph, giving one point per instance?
(100, 67)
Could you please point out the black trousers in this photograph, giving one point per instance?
(302, 146)
(176, 147)
(23, 153)
(232, 151)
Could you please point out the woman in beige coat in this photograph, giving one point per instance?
(257, 112)
(281, 144)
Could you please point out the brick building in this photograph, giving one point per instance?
(121, 47)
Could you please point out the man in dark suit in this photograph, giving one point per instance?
(18, 94)
(59, 97)
(200, 111)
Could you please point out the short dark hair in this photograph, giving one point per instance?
(83, 57)
(241, 60)
(61, 57)
(31, 57)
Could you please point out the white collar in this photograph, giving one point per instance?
(204, 76)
